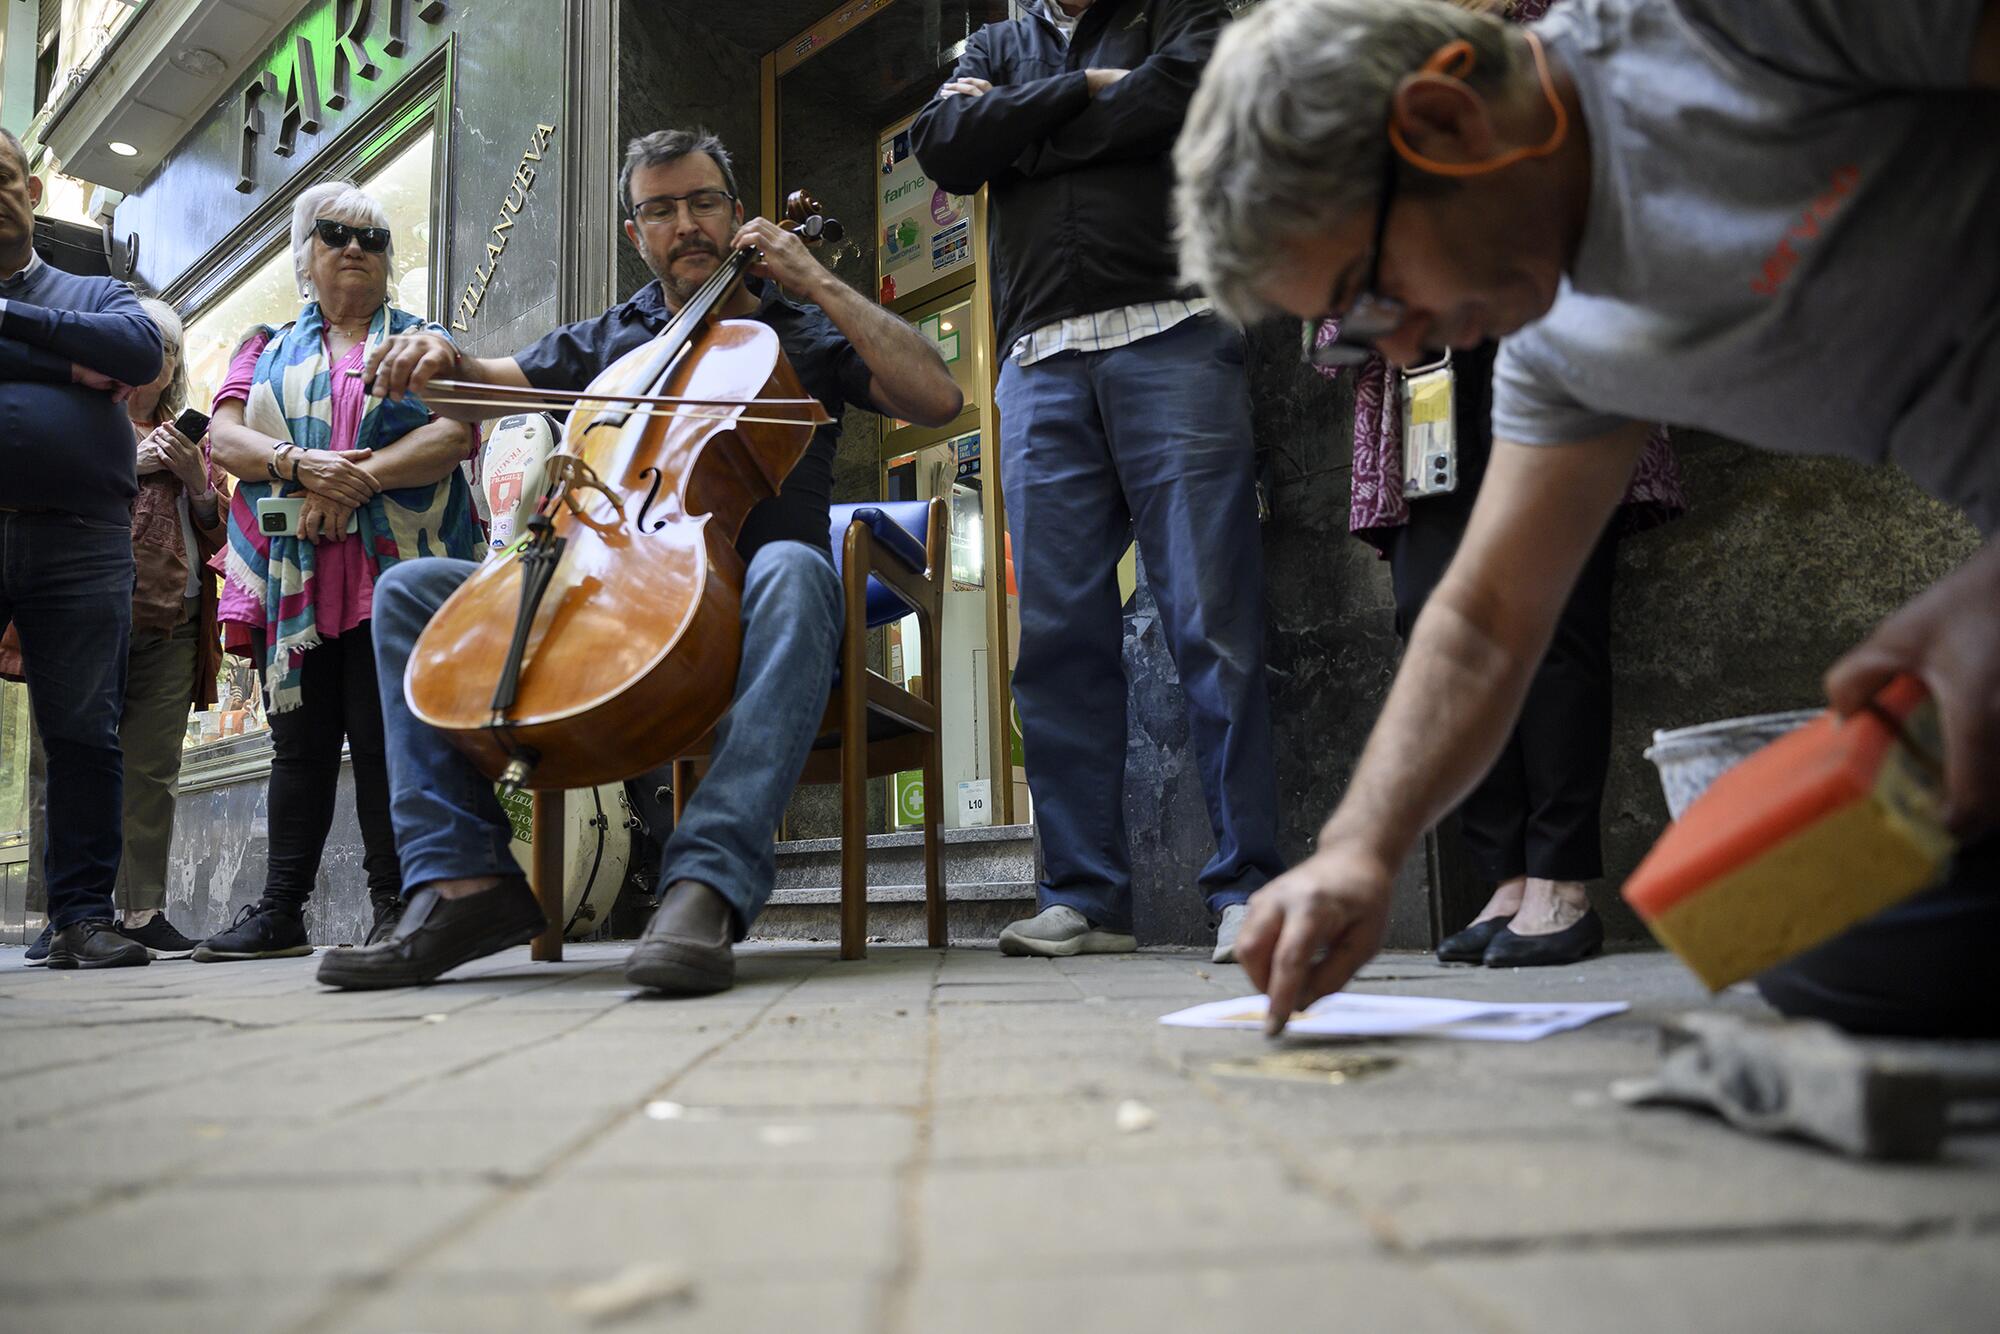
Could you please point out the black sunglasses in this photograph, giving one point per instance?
(1369, 315)
(336, 235)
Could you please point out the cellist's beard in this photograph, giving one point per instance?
(682, 288)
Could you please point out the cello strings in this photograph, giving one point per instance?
(702, 412)
(442, 389)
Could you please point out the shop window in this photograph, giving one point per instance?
(14, 771)
(268, 294)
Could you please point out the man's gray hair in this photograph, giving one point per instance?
(664, 146)
(1287, 132)
(13, 141)
(335, 201)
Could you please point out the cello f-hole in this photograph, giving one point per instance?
(652, 494)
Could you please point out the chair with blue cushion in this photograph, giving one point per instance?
(891, 556)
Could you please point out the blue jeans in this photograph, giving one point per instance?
(449, 823)
(1152, 438)
(66, 584)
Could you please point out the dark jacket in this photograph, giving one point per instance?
(62, 446)
(1079, 217)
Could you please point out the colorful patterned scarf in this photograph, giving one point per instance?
(291, 398)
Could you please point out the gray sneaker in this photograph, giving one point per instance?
(1059, 931)
(1225, 932)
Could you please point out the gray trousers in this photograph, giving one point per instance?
(159, 682)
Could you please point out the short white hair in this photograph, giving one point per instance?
(335, 201)
(1288, 132)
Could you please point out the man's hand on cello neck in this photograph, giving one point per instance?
(907, 377)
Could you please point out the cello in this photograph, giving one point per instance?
(605, 641)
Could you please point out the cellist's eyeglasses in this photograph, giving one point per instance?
(1369, 315)
(336, 235)
(663, 209)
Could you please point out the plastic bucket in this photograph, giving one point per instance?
(1690, 758)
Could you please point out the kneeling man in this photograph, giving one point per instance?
(1772, 220)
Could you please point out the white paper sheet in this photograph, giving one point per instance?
(1348, 1014)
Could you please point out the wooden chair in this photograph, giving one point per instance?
(892, 559)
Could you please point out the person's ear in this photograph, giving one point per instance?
(34, 192)
(1443, 119)
(632, 235)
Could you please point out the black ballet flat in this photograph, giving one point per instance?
(1579, 940)
(1469, 945)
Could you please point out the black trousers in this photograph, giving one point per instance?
(1922, 969)
(338, 702)
(1537, 812)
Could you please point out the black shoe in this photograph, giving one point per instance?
(685, 950)
(1579, 940)
(388, 912)
(262, 930)
(159, 937)
(1469, 945)
(436, 935)
(38, 953)
(95, 945)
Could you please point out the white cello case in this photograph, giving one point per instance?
(597, 826)
(512, 472)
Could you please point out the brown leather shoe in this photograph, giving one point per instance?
(436, 935)
(685, 950)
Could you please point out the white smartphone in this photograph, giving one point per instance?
(278, 516)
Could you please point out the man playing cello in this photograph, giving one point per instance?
(465, 895)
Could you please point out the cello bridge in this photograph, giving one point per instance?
(569, 475)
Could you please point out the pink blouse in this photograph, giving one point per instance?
(343, 577)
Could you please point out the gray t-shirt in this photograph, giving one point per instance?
(1793, 237)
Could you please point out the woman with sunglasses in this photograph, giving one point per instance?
(375, 483)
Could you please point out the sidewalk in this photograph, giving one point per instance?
(928, 1143)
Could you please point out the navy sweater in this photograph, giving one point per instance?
(63, 446)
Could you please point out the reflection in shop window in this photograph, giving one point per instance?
(269, 296)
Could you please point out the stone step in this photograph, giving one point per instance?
(989, 877)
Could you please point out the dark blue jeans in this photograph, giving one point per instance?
(66, 584)
(1921, 969)
(449, 824)
(1152, 438)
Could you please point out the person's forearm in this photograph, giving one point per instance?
(1453, 703)
(425, 455)
(124, 345)
(478, 370)
(20, 362)
(908, 371)
(962, 142)
(242, 452)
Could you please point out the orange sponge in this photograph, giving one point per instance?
(1821, 828)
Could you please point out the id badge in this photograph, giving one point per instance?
(1430, 430)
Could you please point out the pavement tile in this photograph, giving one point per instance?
(1940, 1285)
(715, 1304)
(1660, 1181)
(98, 1309)
(1042, 1131)
(1326, 1293)
(970, 1075)
(706, 1141)
(246, 1238)
(391, 1145)
(806, 1224)
(1007, 1219)
(832, 1082)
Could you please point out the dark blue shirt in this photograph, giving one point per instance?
(826, 363)
(63, 446)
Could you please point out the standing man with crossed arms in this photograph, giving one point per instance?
(1124, 409)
